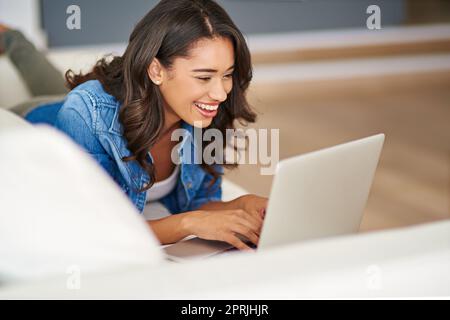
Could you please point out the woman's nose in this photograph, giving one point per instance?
(218, 92)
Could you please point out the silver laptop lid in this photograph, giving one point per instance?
(321, 194)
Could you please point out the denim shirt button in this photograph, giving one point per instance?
(189, 185)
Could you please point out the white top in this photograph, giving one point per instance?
(162, 188)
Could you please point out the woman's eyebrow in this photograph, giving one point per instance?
(210, 70)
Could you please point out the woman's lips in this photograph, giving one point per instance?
(206, 113)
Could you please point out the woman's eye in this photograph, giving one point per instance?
(208, 78)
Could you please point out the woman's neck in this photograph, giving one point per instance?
(172, 121)
(169, 127)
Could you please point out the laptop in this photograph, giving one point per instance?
(313, 196)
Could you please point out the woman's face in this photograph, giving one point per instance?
(195, 86)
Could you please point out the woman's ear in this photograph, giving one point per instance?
(155, 72)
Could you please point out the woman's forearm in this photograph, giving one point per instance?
(222, 205)
(171, 229)
(178, 226)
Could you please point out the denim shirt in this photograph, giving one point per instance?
(89, 116)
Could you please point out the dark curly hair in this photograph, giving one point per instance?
(166, 32)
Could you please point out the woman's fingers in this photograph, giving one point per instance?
(257, 216)
(261, 213)
(250, 220)
(236, 242)
(228, 225)
(246, 232)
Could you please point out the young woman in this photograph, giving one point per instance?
(186, 65)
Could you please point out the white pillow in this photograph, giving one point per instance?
(60, 213)
(9, 120)
(13, 90)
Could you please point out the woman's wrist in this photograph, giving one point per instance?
(187, 223)
(222, 205)
(173, 228)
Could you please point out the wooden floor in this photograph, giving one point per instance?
(412, 182)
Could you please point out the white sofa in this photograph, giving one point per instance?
(57, 242)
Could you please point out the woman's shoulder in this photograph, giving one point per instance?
(94, 94)
(91, 104)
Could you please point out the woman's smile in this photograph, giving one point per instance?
(206, 110)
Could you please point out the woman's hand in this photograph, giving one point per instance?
(225, 221)
(225, 225)
(253, 204)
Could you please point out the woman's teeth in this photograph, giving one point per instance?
(206, 107)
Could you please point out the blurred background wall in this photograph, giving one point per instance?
(320, 76)
(110, 21)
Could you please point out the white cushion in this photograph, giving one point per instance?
(9, 120)
(13, 90)
(59, 211)
(406, 262)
